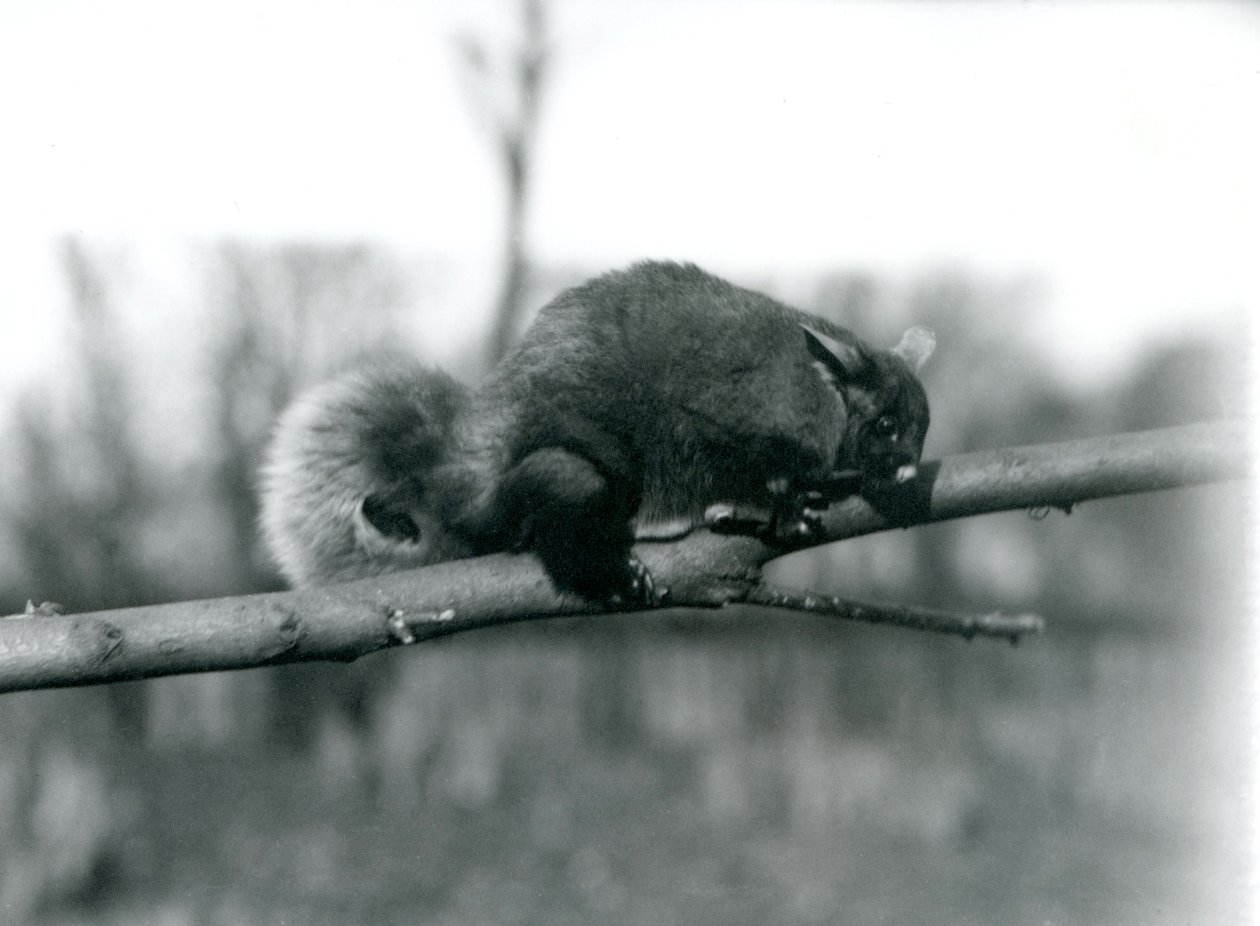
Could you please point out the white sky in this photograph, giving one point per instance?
(1111, 148)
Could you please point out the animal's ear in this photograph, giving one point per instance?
(834, 357)
(915, 346)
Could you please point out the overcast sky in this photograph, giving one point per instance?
(1111, 148)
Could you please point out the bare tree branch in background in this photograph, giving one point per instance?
(284, 314)
(84, 476)
(84, 493)
(510, 99)
(704, 569)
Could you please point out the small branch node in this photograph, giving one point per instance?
(1011, 626)
(403, 631)
(398, 628)
(111, 637)
(289, 631)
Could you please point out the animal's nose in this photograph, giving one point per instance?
(905, 473)
(899, 465)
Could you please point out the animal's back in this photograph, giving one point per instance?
(693, 388)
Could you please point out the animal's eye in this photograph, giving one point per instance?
(884, 426)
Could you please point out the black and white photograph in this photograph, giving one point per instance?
(648, 462)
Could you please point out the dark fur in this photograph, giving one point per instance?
(652, 393)
(640, 397)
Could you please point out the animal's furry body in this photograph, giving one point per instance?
(640, 396)
(650, 394)
(343, 488)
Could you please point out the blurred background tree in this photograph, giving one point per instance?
(721, 742)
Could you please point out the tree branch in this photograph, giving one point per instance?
(1059, 475)
(703, 569)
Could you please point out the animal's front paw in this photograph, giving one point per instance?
(792, 521)
(640, 588)
(797, 522)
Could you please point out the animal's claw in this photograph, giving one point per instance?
(727, 518)
(640, 589)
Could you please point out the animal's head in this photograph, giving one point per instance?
(887, 408)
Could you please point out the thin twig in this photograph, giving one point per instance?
(1012, 627)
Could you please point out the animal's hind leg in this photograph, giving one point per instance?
(567, 512)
